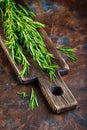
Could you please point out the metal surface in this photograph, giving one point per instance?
(64, 27)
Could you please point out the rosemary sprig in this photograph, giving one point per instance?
(69, 52)
(23, 94)
(22, 35)
(33, 103)
(33, 100)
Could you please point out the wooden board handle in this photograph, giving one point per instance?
(57, 93)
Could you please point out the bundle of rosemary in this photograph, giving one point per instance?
(23, 38)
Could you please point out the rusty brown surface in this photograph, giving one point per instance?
(65, 27)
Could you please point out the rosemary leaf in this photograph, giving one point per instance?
(23, 94)
(33, 104)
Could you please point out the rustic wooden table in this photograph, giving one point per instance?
(65, 27)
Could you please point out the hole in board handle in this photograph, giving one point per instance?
(57, 91)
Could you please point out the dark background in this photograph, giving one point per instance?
(66, 24)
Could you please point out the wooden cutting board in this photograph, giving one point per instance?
(56, 91)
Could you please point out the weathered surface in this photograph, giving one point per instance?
(64, 27)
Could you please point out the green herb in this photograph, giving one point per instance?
(33, 103)
(68, 52)
(33, 100)
(12, 41)
(23, 94)
(22, 36)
